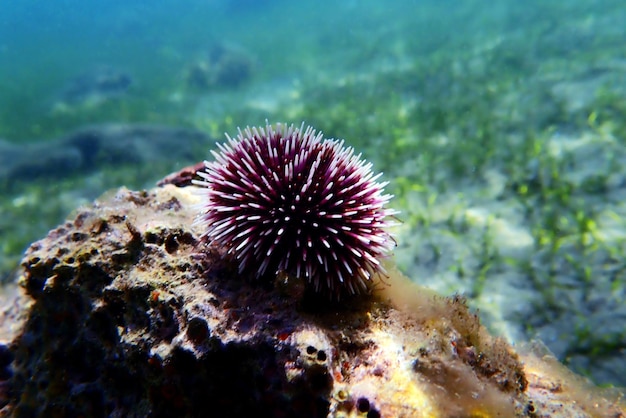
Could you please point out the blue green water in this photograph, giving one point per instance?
(500, 127)
(44, 46)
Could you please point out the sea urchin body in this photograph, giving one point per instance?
(286, 199)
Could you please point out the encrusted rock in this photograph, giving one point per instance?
(126, 314)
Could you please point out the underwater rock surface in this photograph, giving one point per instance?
(93, 147)
(223, 66)
(93, 87)
(122, 313)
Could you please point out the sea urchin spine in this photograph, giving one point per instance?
(286, 199)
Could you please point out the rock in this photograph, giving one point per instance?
(93, 87)
(183, 177)
(90, 148)
(124, 313)
(223, 66)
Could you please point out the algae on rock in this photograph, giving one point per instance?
(124, 314)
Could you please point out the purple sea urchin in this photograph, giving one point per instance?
(286, 199)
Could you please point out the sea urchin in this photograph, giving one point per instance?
(287, 200)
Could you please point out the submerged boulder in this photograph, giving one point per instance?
(122, 312)
(93, 147)
(93, 87)
(223, 66)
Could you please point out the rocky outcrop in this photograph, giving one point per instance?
(93, 147)
(93, 87)
(124, 313)
(223, 66)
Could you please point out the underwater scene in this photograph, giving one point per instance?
(499, 127)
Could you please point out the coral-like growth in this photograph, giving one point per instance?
(288, 200)
(121, 317)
